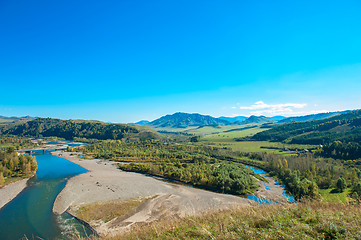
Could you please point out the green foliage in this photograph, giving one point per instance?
(316, 132)
(341, 184)
(356, 191)
(197, 165)
(16, 142)
(70, 129)
(14, 165)
(340, 134)
(340, 150)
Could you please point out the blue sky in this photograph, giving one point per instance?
(123, 61)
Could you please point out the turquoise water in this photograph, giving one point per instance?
(262, 200)
(30, 213)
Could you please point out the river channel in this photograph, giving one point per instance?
(30, 213)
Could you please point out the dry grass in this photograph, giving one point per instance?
(311, 220)
(109, 210)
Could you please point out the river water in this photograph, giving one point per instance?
(30, 213)
(259, 200)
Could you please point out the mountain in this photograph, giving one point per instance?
(257, 120)
(312, 117)
(142, 122)
(343, 127)
(70, 129)
(277, 118)
(233, 119)
(184, 120)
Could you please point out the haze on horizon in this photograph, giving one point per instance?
(125, 61)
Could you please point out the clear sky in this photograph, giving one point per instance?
(128, 60)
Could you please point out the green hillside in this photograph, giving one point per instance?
(70, 129)
(340, 135)
(312, 117)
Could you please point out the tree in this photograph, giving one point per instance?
(341, 184)
(2, 179)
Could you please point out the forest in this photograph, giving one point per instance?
(17, 142)
(345, 127)
(339, 135)
(197, 165)
(14, 165)
(304, 174)
(70, 129)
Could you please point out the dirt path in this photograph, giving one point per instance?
(105, 182)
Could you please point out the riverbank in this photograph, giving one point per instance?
(271, 191)
(10, 191)
(104, 182)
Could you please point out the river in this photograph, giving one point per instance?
(259, 200)
(30, 213)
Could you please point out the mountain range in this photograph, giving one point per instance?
(184, 120)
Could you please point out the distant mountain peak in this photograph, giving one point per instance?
(141, 122)
(257, 120)
(184, 120)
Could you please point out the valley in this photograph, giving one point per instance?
(194, 170)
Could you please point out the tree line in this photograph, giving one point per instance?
(70, 129)
(304, 174)
(198, 165)
(14, 165)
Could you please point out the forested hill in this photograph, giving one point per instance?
(257, 120)
(312, 117)
(344, 128)
(183, 120)
(70, 129)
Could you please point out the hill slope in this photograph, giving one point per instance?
(69, 129)
(8, 120)
(257, 120)
(345, 128)
(312, 117)
(184, 120)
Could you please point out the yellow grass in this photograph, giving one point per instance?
(311, 220)
(109, 210)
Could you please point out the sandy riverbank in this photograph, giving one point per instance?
(271, 191)
(10, 191)
(105, 182)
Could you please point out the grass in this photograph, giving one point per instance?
(107, 211)
(225, 137)
(309, 220)
(329, 196)
(230, 136)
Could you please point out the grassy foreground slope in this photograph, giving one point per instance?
(311, 220)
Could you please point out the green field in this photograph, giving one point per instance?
(226, 138)
(328, 196)
(228, 135)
